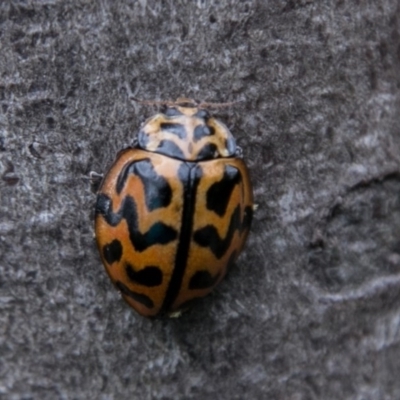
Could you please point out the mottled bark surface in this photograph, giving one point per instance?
(311, 310)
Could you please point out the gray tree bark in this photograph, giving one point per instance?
(311, 310)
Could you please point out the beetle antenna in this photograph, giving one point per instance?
(219, 105)
(183, 101)
(152, 102)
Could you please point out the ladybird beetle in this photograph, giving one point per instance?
(174, 210)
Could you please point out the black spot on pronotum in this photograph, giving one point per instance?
(149, 276)
(203, 114)
(157, 190)
(202, 131)
(174, 128)
(208, 152)
(219, 193)
(172, 112)
(112, 252)
(203, 280)
(170, 149)
(140, 298)
(142, 139)
(159, 233)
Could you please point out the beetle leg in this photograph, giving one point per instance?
(175, 314)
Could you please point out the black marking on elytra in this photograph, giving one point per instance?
(159, 233)
(209, 237)
(170, 149)
(203, 114)
(112, 252)
(203, 280)
(208, 152)
(148, 276)
(219, 193)
(157, 191)
(202, 131)
(172, 112)
(104, 207)
(139, 297)
(190, 175)
(174, 128)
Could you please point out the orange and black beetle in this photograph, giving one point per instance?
(174, 210)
